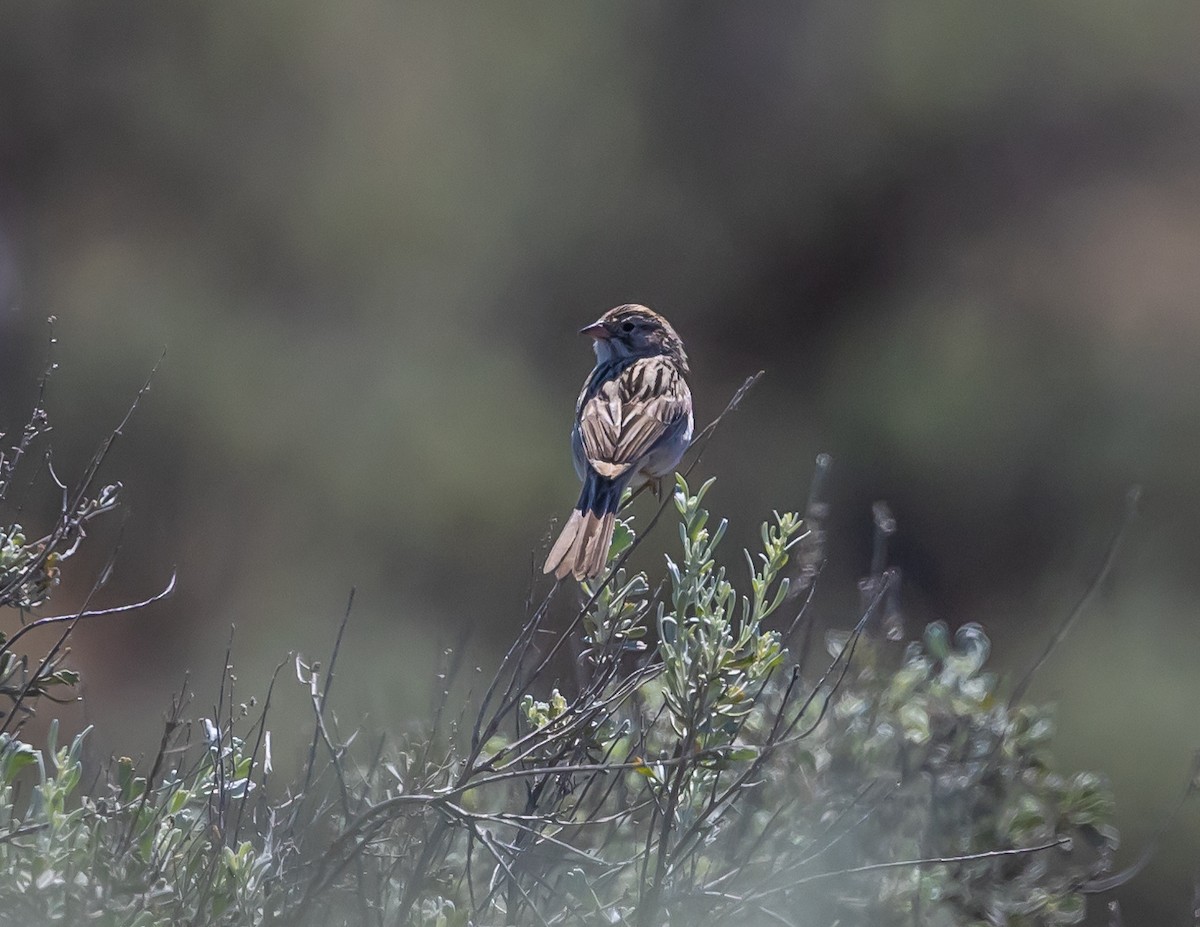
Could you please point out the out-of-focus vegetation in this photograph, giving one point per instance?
(960, 240)
(694, 771)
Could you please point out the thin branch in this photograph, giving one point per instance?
(1131, 506)
(258, 742)
(1108, 883)
(319, 704)
(908, 864)
(22, 832)
(71, 516)
(36, 425)
(85, 613)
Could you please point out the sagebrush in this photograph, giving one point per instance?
(674, 750)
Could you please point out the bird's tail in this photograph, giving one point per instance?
(582, 548)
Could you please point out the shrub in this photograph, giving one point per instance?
(694, 770)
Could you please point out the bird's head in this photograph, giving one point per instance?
(635, 331)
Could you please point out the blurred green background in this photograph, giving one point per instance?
(963, 240)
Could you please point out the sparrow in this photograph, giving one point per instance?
(633, 422)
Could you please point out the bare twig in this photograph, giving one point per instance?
(86, 613)
(1131, 503)
(910, 863)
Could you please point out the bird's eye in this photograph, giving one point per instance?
(627, 327)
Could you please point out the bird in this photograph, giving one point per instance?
(633, 423)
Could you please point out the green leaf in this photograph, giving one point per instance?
(937, 640)
(623, 538)
(915, 720)
(14, 756)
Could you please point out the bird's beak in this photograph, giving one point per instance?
(596, 330)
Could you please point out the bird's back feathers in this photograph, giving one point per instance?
(623, 417)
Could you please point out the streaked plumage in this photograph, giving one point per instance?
(633, 421)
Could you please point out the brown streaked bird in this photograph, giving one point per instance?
(633, 421)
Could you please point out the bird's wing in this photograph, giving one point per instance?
(623, 418)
